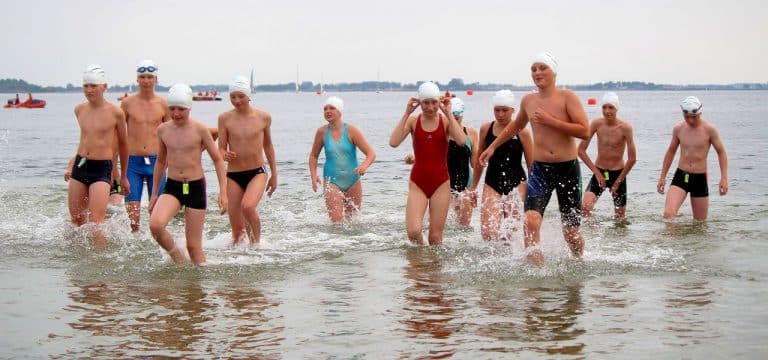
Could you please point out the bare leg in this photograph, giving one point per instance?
(250, 203)
(574, 239)
(353, 199)
(464, 209)
(700, 206)
(620, 212)
(490, 214)
(193, 229)
(675, 198)
(334, 202)
(588, 203)
(77, 200)
(134, 214)
(98, 197)
(438, 212)
(415, 207)
(533, 236)
(166, 207)
(235, 211)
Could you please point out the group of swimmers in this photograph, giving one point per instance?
(155, 137)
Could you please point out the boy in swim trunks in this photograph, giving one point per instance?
(610, 172)
(505, 171)
(179, 153)
(694, 136)
(429, 185)
(343, 190)
(556, 118)
(144, 112)
(245, 138)
(91, 172)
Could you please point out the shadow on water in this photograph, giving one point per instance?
(181, 318)
(538, 319)
(431, 312)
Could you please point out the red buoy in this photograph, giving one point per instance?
(470, 92)
(591, 101)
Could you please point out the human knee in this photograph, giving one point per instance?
(156, 227)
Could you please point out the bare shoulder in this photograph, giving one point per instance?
(625, 125)
(711, 129)
(321, 131)
(115, 110)
(79, 108)
(596, 123)
(485, 126)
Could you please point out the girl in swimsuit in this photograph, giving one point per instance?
(429, 185)
(343, 190)
(505, 172)
(461, 161)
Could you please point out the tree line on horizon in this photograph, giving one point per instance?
(456, 84)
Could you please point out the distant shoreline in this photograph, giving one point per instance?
(456, 85)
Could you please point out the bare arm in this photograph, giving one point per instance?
(122, 146)
(161, 164)
(584, 144)
(475, 153)
(722, 158)
(668, 157)
(314, 153)
(218, 162)
(404, 126)
(526, 139)
(269, 151)
(631, 155)
(359, 141)
(579, 125)
(223, 140)
(479, 165)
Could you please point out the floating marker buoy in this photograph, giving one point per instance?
(591, 101)
(470, 92)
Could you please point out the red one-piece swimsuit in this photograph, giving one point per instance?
(430, 167)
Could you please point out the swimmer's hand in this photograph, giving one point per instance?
(723, 186)
(409, 159)
(445, 105)
(542, 117)
(601, 179)
(413, 103)
(315, 183)
(152, 202)
(271, 185)
(486, 155)
(125, 185)
(660, 186)
(223, 202)
(67, 175)
(360, 170)
(229, 155)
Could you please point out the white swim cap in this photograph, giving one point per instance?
(504, 98)
(548, 59)
(457, 107)
(691, 104)
(611, 98)
(336, 102)
(428, 90)
(147, 67)
(94, 74)
(180, 95)
(240, 84)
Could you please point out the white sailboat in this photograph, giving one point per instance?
(253, 83)
(378, 81)
(298, 90)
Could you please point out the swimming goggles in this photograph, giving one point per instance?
(694, 111)
(146, 69)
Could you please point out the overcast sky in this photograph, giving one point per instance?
(199, 42)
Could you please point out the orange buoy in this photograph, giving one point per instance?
(470, 92)
(591, 101)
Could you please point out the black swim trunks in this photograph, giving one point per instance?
(696, 184)
(458, 164)
(565, 179)
(189, 193)
(620, 198)
(89, 171)
(242, 178)
(505, 168)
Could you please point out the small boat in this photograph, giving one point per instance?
(30, 103)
